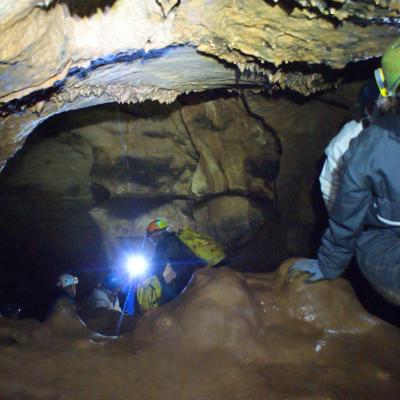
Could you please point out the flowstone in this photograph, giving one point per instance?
(228, 336)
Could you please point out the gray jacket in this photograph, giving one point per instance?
(369, 194)
(103, 298)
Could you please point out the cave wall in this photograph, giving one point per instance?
(71, 55)
(45, 227)
(304, 128)
(199, 162)
(87, 183)
(83, 189)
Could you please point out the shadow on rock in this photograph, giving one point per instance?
(106, 322)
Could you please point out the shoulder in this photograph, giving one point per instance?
(379, 134)
(352, 125)
(388, 124)
(370, 135)
(350, 130)
(168, 238)
(98, 292)
(371, 146)
(66, 298)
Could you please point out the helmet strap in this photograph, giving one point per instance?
(380, 81)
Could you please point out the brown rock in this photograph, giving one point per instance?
(229, 336)
(75, 58)
(236, 154)
(147, 154)
(229, 218)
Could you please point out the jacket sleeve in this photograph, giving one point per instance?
(332, 170)
(159, 261)
(353, 201)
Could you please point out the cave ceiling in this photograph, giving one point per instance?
(57, 56)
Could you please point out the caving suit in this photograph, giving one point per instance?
(333, 167)
(365, 219)
(103, 298)
(182, 252)
(184, 262)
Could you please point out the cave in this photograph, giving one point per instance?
(214, 116)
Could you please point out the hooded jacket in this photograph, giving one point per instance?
(333, 167)
(368, 196)
(103, 298)
(171, 250)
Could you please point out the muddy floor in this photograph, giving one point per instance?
(230, 336)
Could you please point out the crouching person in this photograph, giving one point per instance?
(105, 295)
(365, 218)
(67, 283)
(176, 257)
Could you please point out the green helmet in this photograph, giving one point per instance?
(388, 77)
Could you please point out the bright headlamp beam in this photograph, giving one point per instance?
(136, 265)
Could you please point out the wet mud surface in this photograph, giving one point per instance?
(229, 336)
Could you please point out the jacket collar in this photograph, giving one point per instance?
(389, 123)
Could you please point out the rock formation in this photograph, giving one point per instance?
(59, 55)
(207, 164)
(223, 162)
(229, 336)
(71, 55)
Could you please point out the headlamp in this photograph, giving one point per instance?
(136, 265)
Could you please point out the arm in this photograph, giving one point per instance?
(332, 171)
(159, 261)
(353, 200)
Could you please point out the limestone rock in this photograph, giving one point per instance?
(201, 163)
(54, 167)
(189, 151)
(146, 154)
(229, 218)
(45, 228)
(236, 154)
(167, 6)
(228, 336)
(179, 150)
(64, 60)
(304, 131)
(236, 33)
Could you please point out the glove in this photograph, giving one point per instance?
(309, 265)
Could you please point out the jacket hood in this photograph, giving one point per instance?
(389, 123)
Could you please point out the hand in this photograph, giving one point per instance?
(309, 265)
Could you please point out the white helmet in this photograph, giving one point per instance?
(65, 280)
